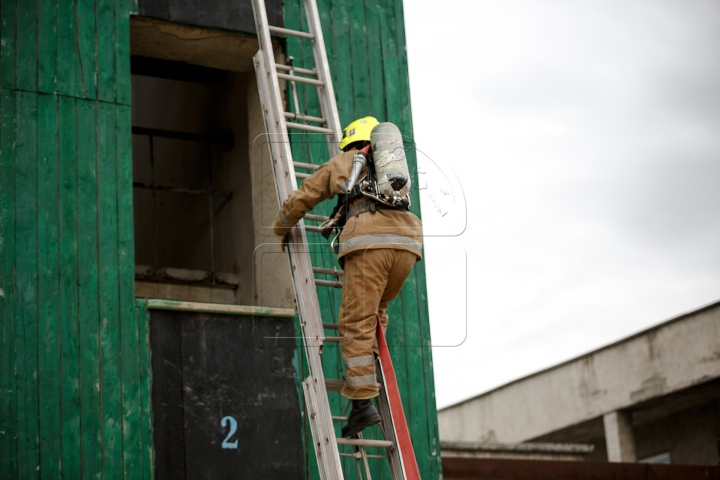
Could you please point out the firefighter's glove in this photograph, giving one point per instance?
(281, 226)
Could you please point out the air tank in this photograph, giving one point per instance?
(391, 169)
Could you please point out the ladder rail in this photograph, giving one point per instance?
(303, 278)
(328, 105)
(274, 113)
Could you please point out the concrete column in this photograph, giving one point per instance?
(619, 437)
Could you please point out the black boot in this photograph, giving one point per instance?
(362, 415)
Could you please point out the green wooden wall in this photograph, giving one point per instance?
(71, 402)
(74, 370)
(365, 42)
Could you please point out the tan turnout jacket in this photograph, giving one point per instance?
(380, 229)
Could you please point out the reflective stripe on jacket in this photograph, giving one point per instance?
(380, 229)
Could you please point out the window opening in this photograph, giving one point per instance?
(194, 234)
(210, 192)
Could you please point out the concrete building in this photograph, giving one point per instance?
(652, 397)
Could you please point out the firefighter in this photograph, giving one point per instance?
(378, 247)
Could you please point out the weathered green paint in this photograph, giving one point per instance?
(68, 61)
(71, 357)
(88, 301)
(366, 49)
(7, 46)
(26, 329)
(86, 39)
(134, 452)
(48, 294)
(70, 368)
(47, 37)
(122, 54)
(26, 41)
(8, 399)
(146, 423)
(110, 392)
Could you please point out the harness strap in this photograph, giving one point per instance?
(367, 205)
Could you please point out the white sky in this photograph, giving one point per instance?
(584, 140)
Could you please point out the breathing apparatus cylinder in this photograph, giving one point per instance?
(391, 169)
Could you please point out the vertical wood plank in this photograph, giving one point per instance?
(47, 46)
(7, 43)
(403, 75)
(109, 307)
(26, 335)
(86, 37)
(26, 46)
(131, 391)
(390, 68)
(375, 71)
(122, 51)
(342, 78)
(68, 61)
(106, 48)
(8, 404)
(359, 60)
(143, 320)
(48, 288)
(69, 321)
(90, 401)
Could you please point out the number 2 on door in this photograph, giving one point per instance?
(233, 429)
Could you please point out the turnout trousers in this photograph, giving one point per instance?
(372, 278)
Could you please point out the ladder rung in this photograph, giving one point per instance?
(307, 166)
(339, 419)
(306, 118)
(304, 71)
(295, 78)
(334, 385)
(328, 283)
(310, 228)
(316, 218)
(333, 339)
(357, 455)
(328, 271)
(331, 326)
(302, 176)
(364, 442)
(309, 128)
(287, 31)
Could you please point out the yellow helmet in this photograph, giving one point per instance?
(358, 131)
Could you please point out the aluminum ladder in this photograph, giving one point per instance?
(277, 122)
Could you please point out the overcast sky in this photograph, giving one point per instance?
(581, 140)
